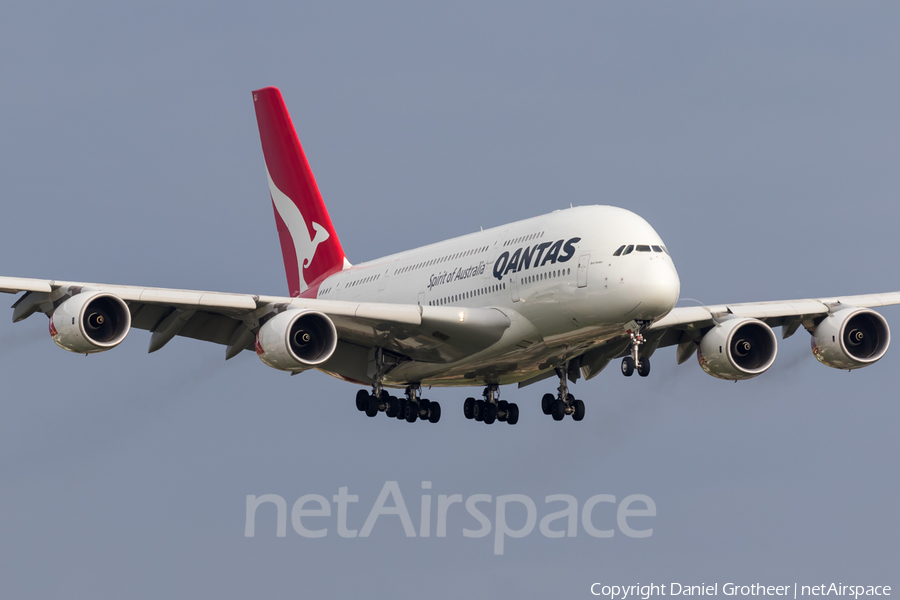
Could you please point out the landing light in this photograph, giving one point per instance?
(462, 317)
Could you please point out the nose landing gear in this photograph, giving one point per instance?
(630, 363)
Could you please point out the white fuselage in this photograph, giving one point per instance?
(555, 276)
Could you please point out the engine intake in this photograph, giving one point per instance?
(738, 349)
(90, 322)
(296, 340)
(851, 338)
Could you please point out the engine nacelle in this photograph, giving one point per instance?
(296, 340)
(738, 348)
(90, 322)
(851, 338)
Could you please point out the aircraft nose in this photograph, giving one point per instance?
(660, 287)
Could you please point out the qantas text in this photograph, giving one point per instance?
(522, 258)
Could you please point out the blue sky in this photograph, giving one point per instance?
(760, 139)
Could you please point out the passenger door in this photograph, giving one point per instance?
(583, 261)
(514, 287)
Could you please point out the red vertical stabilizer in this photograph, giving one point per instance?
(309, 243)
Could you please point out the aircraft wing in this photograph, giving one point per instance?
(685, 326)
(423, 333)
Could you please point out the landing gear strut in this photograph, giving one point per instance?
(416, 407)
(411, 408)
(491, 408)
(630, 363)
(563, 403)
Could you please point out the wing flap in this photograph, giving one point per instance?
(684, 315)
(14, 285)
(868, 300)
(772, 310)
(185, 298)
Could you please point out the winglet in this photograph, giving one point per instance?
(309, 243)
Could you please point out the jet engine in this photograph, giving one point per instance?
(296, 340)
(90, 322)
(850, 338)
(738, 348)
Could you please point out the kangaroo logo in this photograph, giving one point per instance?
(304, 247)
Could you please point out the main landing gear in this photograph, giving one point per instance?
(410, 409)
(491, 408)
(563, 403)
(630, 363)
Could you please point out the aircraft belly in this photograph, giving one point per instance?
(515, 365)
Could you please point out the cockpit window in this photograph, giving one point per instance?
(643, 248)
(656, 248)
(619, 251)
(628, 250)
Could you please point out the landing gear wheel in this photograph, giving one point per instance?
(579, 410)
(425, 409)
(547, 403)
(401, 408)
(559, 410)
(479, 410)
(412, 411)
(393, 407)
(469, 408)
(434, 415)
(362, 400)
(502, 410)
(490, 412)
(643, 367)
(627, 366)
(513, 417)
(372, 408)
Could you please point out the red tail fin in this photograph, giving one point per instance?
(309, 244)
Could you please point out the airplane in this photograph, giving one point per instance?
(555, 296)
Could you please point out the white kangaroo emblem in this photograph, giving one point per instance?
(304, 247)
